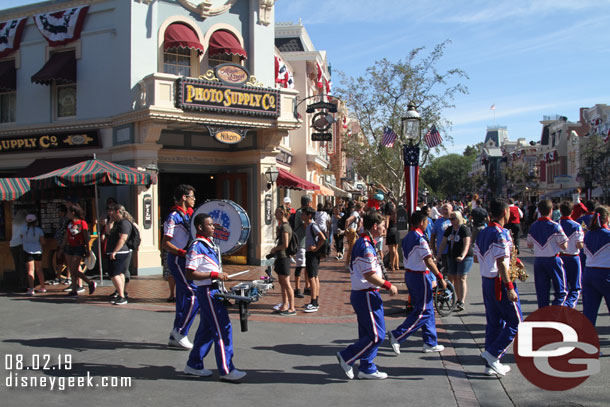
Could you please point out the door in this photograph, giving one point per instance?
(233, 187)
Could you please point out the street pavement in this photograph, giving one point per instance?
(290, 361)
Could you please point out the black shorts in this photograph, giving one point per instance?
(119, 265)
(282, 266)
(75, 251)
(32, 257)
(312, 263)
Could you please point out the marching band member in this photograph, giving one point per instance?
(418, 263)
(500, 296)
(596, 279)
(203, 264)
(570, 256)
(176, 236)
(547, 238)
(366, 277)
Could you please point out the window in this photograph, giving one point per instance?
(7, 107)
(223, 59)
(65, 97)
(177, 61)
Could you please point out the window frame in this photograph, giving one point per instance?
(55, 97)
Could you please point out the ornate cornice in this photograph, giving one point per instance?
(205, 10)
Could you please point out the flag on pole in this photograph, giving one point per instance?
(389, 137)
(493, 107)
(433, 137)
(411, 159)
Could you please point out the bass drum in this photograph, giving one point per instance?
(232, 224)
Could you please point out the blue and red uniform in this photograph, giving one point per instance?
(586, 221)
(503, 316)
(596, 278)
(571, 259)
(416, 250)
(177, 229)
(215, 325)
(546, 237)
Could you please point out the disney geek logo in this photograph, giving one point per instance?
(557, 348)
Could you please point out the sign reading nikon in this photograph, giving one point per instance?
(52, 141)
(203, 95)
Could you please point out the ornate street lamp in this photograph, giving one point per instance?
(410, 128)
(410, 125)
(271, 175)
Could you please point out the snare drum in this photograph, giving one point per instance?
(232, 224)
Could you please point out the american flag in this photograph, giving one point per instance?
(433, 137)
(411, 159)
(389, 137)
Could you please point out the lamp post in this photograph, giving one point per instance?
(271, 175)
(410, 132)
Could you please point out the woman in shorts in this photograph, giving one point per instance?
(117, 251)
(282, 262)
(33, 238)
(76, 247)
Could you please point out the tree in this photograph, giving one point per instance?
(448, 176)
(595, 163)
(380, 98)
(473, 150)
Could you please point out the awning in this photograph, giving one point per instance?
(45, 165)
(8, 76)
(181, 36)
(61, 68)
(224, 42)
(291, 181)
(324, 190)
(339, 192)
(13, 188)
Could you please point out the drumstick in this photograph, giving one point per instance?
(238, 274)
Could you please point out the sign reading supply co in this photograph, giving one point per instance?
(52, 141)
(202, 95)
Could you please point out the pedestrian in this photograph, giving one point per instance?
(570, 256)
(76, 247)
(176, 235)
(16, 247)
(556, 214)
(337, 232)
(479, 218)
(352, 225)
(314, 240)
(288, 205)
(32, 237)
(117, 250)
(547, 238)
(514, 222)
(500, 295)
(366, 278)
(59, 262)
(418, 263)
(203, 266)
(392, 236)
(596, 278)
(299, 229)
(459, 239)
(282, 262)
(438, 231)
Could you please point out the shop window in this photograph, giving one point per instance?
(65, 100)
(8, 102)
(177, 61)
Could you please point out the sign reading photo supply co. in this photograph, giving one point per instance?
(49, 141)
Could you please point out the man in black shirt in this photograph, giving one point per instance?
(480, 218)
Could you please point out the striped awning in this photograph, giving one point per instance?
(324, 190)
(92, 172)
(13, 188)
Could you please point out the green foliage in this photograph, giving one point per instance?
(595, 162)
(473, 150)
(448, 176)
(380, 98)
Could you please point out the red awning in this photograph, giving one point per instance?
(181, 36)
(61, 68)
(224, 42)
(8, 76)
(291, 181)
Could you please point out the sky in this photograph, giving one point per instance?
(527, 58)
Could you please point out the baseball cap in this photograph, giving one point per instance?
(287, 199)
(30, 218)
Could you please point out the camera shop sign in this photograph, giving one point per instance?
(53, 141)
(322, 120)
(202, 95)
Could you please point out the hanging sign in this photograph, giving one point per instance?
(226, 135)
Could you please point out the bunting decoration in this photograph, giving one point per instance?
(61, 27)
(283, 76)
(411, 160)
(10, 36)
(328, 86)
(320, 76)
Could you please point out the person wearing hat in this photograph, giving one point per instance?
(287, 205)
(32, 237)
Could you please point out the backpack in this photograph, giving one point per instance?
(293, 245)
(341, 222)
(324, 250)
(134, 239)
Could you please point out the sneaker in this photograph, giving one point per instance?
(54, 281)
(42, 291)
(311, 308)
(287, 313)
(349, 372)
(307, 291)
(120, 301)
(298, 294)
(114, 295)
(178, 340)
(92, 286)
(67, 289)
(278, 306)
(374, 376)
(80, 289)
(490, 372)
(197, 372)
(72, 294)
(30, 291)
(233, 376)
(493, 363)
(394, 343)
(66, 281)
(459, 306)
(430, 349)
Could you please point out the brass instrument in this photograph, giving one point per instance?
(516, 269)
